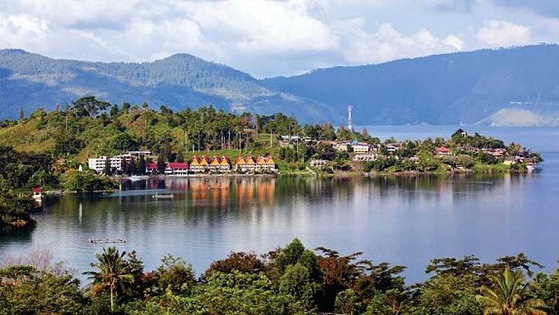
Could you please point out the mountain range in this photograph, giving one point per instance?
(513, 86)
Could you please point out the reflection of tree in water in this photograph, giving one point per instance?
(439, 187)
(17, 234)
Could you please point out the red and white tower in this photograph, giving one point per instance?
(349, 119)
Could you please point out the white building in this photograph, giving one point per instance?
(98, 163)
(361, 148)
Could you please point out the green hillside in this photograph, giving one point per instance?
(29, 81)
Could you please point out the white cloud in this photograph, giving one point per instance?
(262, 37)
(258, 25)
(388, 44)
(499, 33)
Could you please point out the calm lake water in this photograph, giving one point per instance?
(405, 221)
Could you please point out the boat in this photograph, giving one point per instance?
(163, 196)
(137, 177)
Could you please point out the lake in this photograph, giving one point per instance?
(401, 220)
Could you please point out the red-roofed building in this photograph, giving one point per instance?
(177, 168)
(151, 167)
(443, 151)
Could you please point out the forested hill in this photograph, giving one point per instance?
(518, 86)
(29, 81)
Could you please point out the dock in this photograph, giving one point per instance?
(107, 240)
(163, 196)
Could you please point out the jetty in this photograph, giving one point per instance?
(163, 196)
(107, 240)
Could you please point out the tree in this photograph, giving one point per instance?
(88, 105)
(142, 165)
(160, 164)
(175, 275)
(112, 272)
(507, 296)
(107, 168)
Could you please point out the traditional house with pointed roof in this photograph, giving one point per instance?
(225, 165)
(250, 164)
(215, 164)
(240, 164)
(260, 163)
(270, 163)
(199, 164)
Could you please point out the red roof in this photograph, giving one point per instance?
(177, 165)
(37, 189)
(151, 166)
(442, 150)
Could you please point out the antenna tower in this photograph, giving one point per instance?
(349, 119)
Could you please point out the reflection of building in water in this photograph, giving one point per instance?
(246, 190)
(259, 190)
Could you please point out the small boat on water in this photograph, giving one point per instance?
(137, 177)
(163, 196)
(107, 240)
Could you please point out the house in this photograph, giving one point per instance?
(225, 165)
(344, 147)
(38, 195)
(250, 164)
(365, 157)
(215, 164)
(361, 148)
(443, 151)
(270, 164)
(260, 163)
(176, 168)
(199, 164)
(390, 148)
(318, 163)
(151, 168)
(240, 164)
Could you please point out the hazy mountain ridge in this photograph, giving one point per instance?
(30, 80)
(441, 89)
(469, 87)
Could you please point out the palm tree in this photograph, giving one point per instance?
(112, 272)
(506, 298)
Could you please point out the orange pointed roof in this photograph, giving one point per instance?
(240, 160)
(260, 160)
(225, 161)
(216, 160)
(205, 161)
(249, 160)
(195, 161)
(269, 160)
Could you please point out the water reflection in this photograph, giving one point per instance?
(404, 220)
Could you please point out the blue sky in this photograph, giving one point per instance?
(267, 38)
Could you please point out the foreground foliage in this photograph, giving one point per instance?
(288, 280)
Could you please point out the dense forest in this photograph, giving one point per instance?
(29, 81)
(288, 280)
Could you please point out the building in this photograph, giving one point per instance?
(443, 151)
(98, 164)
(319, 163)
(361, 148)
(361, 157)
(176, 168)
